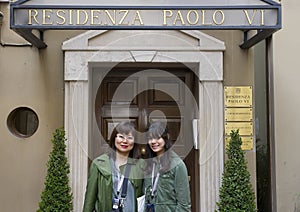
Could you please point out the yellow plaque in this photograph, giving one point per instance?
(238, 96)
(245, 128)
(247, 142)
(238, 114)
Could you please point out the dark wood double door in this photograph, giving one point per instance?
(145, 94)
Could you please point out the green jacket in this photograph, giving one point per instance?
(173, 190)
(99, 187)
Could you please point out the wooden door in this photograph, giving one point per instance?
(145, 94)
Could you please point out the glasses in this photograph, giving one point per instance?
(123, 137)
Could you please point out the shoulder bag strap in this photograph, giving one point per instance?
(125, 182)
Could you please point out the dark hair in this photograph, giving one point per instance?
(124, 127)
(158, 130)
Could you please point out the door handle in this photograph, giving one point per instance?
(145, 117)
(195, 124)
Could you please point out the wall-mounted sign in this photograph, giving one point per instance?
(247, 142)
(238, 114)
(245, 128)
(134, 18)
(107, 14)
(238, 96)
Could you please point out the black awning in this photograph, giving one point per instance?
(258, 19)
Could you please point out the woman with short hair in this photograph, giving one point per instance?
(108, 172)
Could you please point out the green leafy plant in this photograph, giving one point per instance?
(236, 193)
(57, 195)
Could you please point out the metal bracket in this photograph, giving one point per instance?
(250, 41)
(32, 38)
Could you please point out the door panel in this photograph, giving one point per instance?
(144, 95)
(123, 96)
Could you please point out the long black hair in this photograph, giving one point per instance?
(158, 130)
(125, 127)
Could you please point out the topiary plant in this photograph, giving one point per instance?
(57, 195)
(236, 193)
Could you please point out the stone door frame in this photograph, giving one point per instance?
(204, 55)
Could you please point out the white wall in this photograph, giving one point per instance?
(287, 108)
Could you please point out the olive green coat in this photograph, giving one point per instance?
(173, 190)
(99, 187)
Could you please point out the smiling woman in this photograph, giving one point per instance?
(166, 180)
(111, 171)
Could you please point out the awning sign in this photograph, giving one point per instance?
(157, 15)
(262, 16)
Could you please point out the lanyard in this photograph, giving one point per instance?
(120, 182)
(123, 182)
(154, 182)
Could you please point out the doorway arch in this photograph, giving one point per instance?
(203, 55)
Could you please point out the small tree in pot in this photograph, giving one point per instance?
(57, 195)
(236, 193)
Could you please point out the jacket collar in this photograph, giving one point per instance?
(103, 164)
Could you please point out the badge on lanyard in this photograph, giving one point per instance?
(116, 203)
(150, 207)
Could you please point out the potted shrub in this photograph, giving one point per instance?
(236, 193)
(57, 195)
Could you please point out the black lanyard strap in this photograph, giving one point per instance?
(125, 181)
